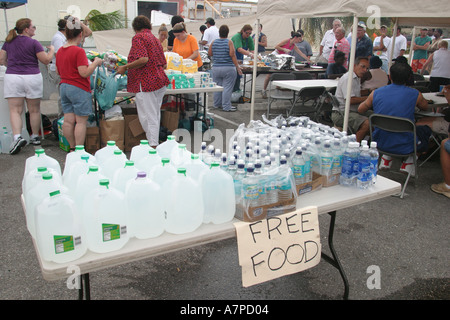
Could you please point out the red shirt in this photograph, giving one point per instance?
(150, 77)
(68, 59)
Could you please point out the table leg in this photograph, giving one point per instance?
(85, 287)
(334, 261)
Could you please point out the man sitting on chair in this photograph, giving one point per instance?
(359, 124)
(398, 100)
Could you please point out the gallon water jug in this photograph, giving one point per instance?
(218, 195)
(105, 218)
(38, 193)
(186, 213)
(124, 175)
(140, 151)
(148, 162)
(77, 168)
(164, 174)
(41, 159)
(106, 152)
(59, 234)
(145, 207)
(72, 157)
(35, 176)
(165, 148)
(180, 156)
(113, 163)
(86, 183)
(195, 167)
(6, 141)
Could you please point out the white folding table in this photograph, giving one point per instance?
(328, 200)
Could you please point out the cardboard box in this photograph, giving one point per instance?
(133, 131)
(63, 143)
(251, 214)
(92, 142)
(314, 184)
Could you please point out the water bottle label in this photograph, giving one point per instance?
(326, 163)
(299, 171)
(113, 231)
(337, 162)
(65, 243)
(251, 192)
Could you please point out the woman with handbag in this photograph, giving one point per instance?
(74, 69)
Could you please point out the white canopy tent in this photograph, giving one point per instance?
(404, 12)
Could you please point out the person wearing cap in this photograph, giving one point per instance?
(173, 22)
(327, 43)
(380, 47)
(341, 44)
(185, 44)
(421, 44)
(211, 33)
(364, 46)
(400, 44)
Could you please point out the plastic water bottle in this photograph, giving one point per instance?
(70, 178)
(224, 162)
(180, 156)
(186, 213)
(165, 149)
(308, 169)
(203, 153)
(106, 152)
(218, 195)
(41, 159)
(140, 151)
(238, 177)
(231, 166)
(337, 156)
(6, 141)
(262, 199)
(284, 181)
(38, 193)
(149, 161)
(326, 159)
(374, 154)
(34, 177)
(145, 207)
(87, 182)
(195, 168)
(364, 179)
(349, 164)
(113, 163)
(105, 218)
(124, 175)
(60, 236)
(163, 175)
(250, 188)
(72, 157)
(298, 167)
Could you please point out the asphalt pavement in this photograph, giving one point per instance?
(407, 240)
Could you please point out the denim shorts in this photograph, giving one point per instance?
(75, 100)
(447, 146)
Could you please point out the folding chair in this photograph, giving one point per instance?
(335, 105)
(314, 94)
(274, 93)
(437, 139)
(421, 88)
(396, 125)
(302, 75)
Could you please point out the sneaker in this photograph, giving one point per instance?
(385, 163)
(441, 188)
(408, 167)
(17, 145)
(36, 141)
(232, 109)
(264, 94)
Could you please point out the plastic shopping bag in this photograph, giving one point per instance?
(106, 87)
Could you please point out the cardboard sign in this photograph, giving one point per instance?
(279, 245)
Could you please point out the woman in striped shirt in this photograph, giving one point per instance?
(224, 68)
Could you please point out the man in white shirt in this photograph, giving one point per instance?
(328, 40)
(380, 47)
(210, 34)
(58, 40)
(399, 46)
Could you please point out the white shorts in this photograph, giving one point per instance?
(28, 86)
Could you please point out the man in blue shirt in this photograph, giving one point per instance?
(398, 100)
(364, 46)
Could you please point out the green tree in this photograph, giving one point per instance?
(98, 21)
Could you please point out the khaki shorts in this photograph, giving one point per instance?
(355, 120)
(30, 86)
(440, 125)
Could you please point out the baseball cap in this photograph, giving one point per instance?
(383, 26)
(209, 20)
(362, 24)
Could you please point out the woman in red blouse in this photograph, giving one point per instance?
(146, 77)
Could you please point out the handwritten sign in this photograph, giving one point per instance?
(279, 245)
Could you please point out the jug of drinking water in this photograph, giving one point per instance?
(165, 149)
(140, 151)
(59, 233)
(106, 152)
(113, 163)
(41, 159)
(124, 175)
(35, 176)
(72, 173)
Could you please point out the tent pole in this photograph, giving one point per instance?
(411, 50)
(394, 37)
(348, 94)
(254, 75)
(6, 21)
